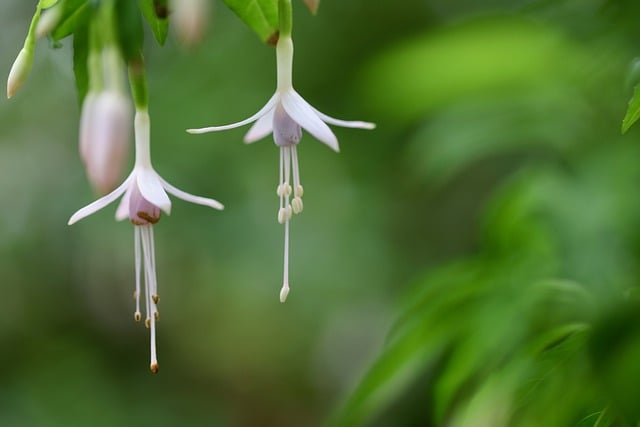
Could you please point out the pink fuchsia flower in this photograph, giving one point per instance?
(144, 197)
(285, 115)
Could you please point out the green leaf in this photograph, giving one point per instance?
(404, 360)
(260, 15)
(74, 14)
(80, 67)
(633, 111)
(130, 32)
(46, 4)
(155, 13)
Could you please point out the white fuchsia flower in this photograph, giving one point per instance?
(144, 196)
(284, 116)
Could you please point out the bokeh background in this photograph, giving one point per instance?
(495, 206)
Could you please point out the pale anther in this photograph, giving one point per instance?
(297, 205)
(282, 215)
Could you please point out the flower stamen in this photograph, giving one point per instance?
(150, 286)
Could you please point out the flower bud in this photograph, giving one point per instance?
(285, 130)
(142, 211)
(189, 18)
(49, 20)
(105, 133)
(19, 71)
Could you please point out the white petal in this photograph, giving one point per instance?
(123, 208)
(261, 128)
(268, 106)
(102, 202)
(190, 197)
(305, 116)
(344, 123)
(151, 189)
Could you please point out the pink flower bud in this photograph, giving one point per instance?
(19, 71)
(190, 19)
(105, 134)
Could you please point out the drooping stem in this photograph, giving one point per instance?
(30, 40)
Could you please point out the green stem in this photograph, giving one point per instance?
(285, 17)
(138, 83)
(30, 40)
(107, 16)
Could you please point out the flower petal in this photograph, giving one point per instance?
(305, 116)
(261, 128)
(190, 197)
(150, 186)
(344, 123)
(268, 106)
(102, 202)
(123, 208)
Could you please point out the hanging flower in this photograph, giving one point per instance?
(144, 197)
(284, 116)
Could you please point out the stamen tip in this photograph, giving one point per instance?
(147, 322)
(137, 316)
(297, 205)
(155, 298)
(154, 367)
(283, 293)
(282, 215)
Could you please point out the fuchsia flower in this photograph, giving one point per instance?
(144, 196)
(284, 116)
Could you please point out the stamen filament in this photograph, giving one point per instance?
(150, 284)
(136, 241)
(285, 280)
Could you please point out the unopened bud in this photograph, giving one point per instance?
(105, 135)
(49, 20)
(190, 19)
(19, 71)
(312, 5)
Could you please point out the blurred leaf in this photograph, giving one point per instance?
(80, 67)
(260, 15)
(74, 14)
(486, 58)
(633, 111)
(507, 124)
(156, 16)
(615, 350)
(130, 31)
(45, 4)
(402, 361)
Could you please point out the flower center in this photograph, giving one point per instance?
(286, 131)
(142, 211)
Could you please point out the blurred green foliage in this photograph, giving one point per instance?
(472, 262)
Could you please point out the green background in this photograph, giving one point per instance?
(495, 202)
